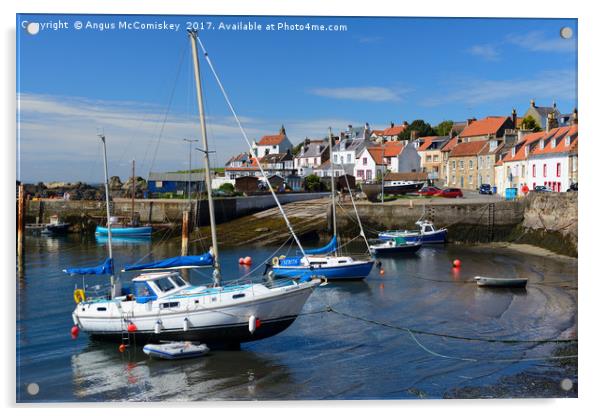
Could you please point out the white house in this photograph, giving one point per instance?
(548, 162)
(369, 163)
(312, 154)
(401, 158)
(346, 151)
(278, 143)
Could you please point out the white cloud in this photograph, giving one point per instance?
(538, 41)
(559, 84)
(487, 52)
(376, 94)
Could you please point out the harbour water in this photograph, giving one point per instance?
(351, 342)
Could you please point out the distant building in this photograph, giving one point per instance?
(246, 184)
(242, 165)
(485, 128)
(278, 143)
(431, 157)
(312, 154)
(393, 131)
(540, 114)
(346, 151)
(364, 132)
(463, 163)
(176, 183)
(278, 164)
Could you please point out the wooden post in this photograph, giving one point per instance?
(185, 231)
(20, 226)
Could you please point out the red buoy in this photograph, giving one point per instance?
(74, 331)
(122, 348)
(132, 327)
(457, 263)
(257, 323)
(241, 261)
(382, 272)
(248, 261)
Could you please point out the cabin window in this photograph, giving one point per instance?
(238, 295)
(164, 284)
(101, 309)
(428, 229)
(143, 292)
(168, 305)
(178, 281)
(317, 263)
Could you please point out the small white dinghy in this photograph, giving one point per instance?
(501, 281)
(176, 350)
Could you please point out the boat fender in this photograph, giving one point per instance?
(186, 325)
(158, 327)
(252, 323)
(74, 331)
(79, 295)
(132, 327)
(275, 261)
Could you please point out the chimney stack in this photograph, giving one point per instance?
(551, 123)
(413, 135)
(514, 118)
(392, 125)
(532, 103)
(574, 121)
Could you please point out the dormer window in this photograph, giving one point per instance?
(526, 151)
(567, 140)
(513, 151)
(541, 144)
(553, 143)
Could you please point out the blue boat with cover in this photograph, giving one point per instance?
(326, 261)
(125, 231)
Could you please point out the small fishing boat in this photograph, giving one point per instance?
(175, 350)
(396, 245)
(119, 231)
(501, 281)
(54, 227)
(426, 233)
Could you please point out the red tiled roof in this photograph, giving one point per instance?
(271, 140)
(484, 126)
(392, 149)
(559, 133)
(426, 143)
(376, 153)
(395, 130)
(378, 132)
(468, 148)
(450, 145)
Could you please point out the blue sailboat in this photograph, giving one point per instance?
(325, 261)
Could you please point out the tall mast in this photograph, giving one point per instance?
(109, 232)
(197, 75)
(332, 192)
(133, 188)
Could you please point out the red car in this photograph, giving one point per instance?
(429, 191)
(450, 193)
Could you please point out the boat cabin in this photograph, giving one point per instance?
(151, 286)
(425, 226)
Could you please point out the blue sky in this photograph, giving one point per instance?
(71, 83)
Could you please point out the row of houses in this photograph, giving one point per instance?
(501, 151)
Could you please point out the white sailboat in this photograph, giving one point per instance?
(161, 305)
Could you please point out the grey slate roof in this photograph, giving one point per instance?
(315, 148)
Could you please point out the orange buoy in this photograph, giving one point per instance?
(248, 261)
(382, 272)
(132, 327)
(241, 261)
(457, 263)
(122, 348)
(74, 331)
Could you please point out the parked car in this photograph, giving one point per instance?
(450, 193)
(428, 191)
(572, 188)
(485, 189)
(542, 188)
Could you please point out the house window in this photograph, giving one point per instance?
(368, 175)
(534, 170)
(365, 161)
(522, 171)
(360, 173)
(336, 158)
(454, 165)
(558, 169)
(545, 170)
(461, 164)
(435, 158)
(470, 165)
(348, 158)
(428, 158)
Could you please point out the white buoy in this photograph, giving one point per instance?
(158, 327)
(252, 323)
(186, 324)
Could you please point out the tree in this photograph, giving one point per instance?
(226, 187)
(421, 128)
(444, 127)
(312, 183)
(529, 123)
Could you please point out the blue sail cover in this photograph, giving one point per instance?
(105, 268)
(174, 263)
(328, 248)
